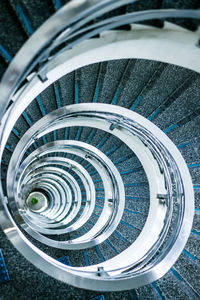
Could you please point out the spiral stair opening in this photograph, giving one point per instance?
(100, 149)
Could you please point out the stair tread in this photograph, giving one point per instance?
(12, 36)
(102, 83)
(171, 288)
(32, 15)
(190, 273)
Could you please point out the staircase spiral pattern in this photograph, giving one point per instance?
(97, 138)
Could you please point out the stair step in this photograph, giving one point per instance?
(184, 105)
(12, 36)
(171, 288)
(147, 292)
(124, 229)
(135, 218)
(86, 83)
(189, 150)
(59, 3)
(32, 15)
(189, 271)
(66, 86)
(110, 79)
(188, 24)
(141, 74)
(159, 98)
(4, 276)
(185, 133)
(146, 5)
(140, 205)
(101, 297)
(193, 245)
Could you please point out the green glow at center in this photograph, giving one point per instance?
(34, 200)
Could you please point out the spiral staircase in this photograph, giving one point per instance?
(100, 149)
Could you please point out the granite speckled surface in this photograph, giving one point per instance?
(143, 85)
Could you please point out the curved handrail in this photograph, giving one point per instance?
(38, 47)
(38, 55)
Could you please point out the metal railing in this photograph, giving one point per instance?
(171, 208)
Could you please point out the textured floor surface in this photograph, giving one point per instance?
(167, 95)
